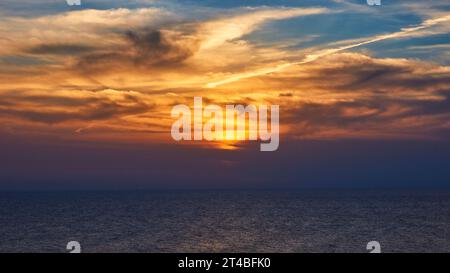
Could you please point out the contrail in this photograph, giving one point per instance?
(404, 32)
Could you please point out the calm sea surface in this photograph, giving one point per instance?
(226, 221)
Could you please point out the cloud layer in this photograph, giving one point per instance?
(115, 73)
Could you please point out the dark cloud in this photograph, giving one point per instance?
(87, 109)
(381, 94)
(60, 49)
(18, 97)
(287, 94)
(144, 49)
(19, 60)
(156, 48)
(375, 114)
(377, 77)
(359, 74)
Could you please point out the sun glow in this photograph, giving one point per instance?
(236, 123)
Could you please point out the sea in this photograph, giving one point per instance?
(257, 221)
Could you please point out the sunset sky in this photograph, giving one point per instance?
(86, 92)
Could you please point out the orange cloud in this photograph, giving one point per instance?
(116, 74)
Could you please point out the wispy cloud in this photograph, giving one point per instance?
(216, 32)
(405, 32)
